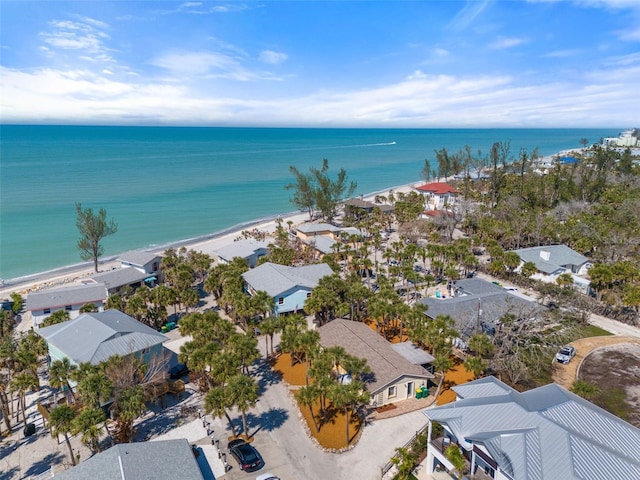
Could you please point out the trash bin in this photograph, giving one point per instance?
(29, 430)
(419, 393)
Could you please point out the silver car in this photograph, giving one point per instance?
(565, 354)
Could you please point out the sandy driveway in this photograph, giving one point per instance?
(565, 375)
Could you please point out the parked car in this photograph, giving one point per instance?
(246, 455)
(178, 371)
(267, 476)
(565, 354)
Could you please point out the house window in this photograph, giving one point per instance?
(280, 300)
(46, 311)
(308, 294)
(68, 308)
(145, 350)
(391, 393)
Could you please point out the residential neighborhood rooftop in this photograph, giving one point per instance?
(276, 279)
(361, 341)
(138, 257)
(550, 258)
(547, 432)
(162, 460)
(437, 188)
(119, 277)
(63, 296)
(242, 248)
(96, 337)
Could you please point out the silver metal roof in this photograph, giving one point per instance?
(119, 277)
(547, 432)
(95, 337)
(278, 279)
(243, 248)
(161, 460)
(413, 354)
(138, 257)
(61, 297)
(560, 256)
(308, 228)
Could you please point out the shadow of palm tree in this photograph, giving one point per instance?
(270, 420)
(44, 464)
(266, 375)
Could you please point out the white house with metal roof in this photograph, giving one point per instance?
(289, 286)
(96, 337)
(118, 278)
(544, 433)
(248, 249)
(43, 303)
(147, 262)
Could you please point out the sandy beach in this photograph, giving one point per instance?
(206, 244)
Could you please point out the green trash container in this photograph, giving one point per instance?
(419, 393)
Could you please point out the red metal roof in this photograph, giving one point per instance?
(438, 188)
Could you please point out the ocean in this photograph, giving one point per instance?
(165, 184)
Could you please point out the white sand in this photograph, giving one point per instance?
(207, 244)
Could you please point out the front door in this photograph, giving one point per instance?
(409, 389)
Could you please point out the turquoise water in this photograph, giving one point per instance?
(164, 184)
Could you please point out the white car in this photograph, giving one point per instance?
(267, 476)
(565, 354)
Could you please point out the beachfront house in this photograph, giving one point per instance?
(248, 249)
(96, 337)
(396, 372)
(288, 286)
(147, 262)
(358, 208)
(43, 303)
(547, 432)
(438, 195)
(157, 460)
(551, 261)
(477, 305)
(116, 279)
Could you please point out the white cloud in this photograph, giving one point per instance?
(468, 14)
(503, 43)
(272, 57)
(440, 52)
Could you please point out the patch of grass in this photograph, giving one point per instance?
(614, 400)
(585, 331)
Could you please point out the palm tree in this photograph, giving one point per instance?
(246, 348)
(61, 420)
(454, 455)
(217, 402)
(128, 406)
(22, 383)
(244, 395)
(60, 373)
(307, 396)
(441, 364)
(87, 423)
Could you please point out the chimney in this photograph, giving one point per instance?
(545, 255)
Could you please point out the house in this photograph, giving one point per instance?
(547, 432)
(119, 278)
(393, 377)
(551, 261)
(359, 208)
(147, 262)
(438, 195)
(323, 236)
(477, 305)
(43, 303)
(247, 248)
(289, 286)
(96, 337)
(472, 174)
(161, 460)
(308, 231)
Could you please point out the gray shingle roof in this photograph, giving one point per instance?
(477, 296)
(119, 277)
(560, 256)
(61, 297)
(359, 340)
(243, 248)
(546, 432)
(277, 279)
(138, 257)
(95, 337)
(161, 460)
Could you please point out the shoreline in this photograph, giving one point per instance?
(207, 243)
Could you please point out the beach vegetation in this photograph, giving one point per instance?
(61, 422)
(317, 190)
(18, 303)
(56, 317)
(93, 228)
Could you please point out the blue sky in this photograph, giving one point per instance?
(322, 64)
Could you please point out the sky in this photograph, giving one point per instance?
(386, 64)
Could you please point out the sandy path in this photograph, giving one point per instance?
(565, 375)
